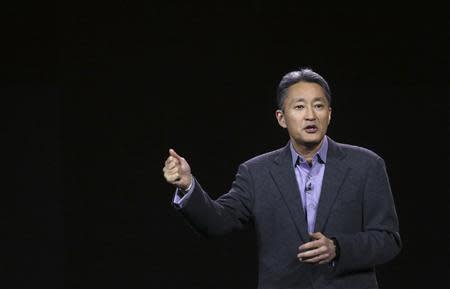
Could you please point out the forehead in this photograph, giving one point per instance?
(306, 91)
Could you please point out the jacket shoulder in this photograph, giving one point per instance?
(263, 159)
(357, 153)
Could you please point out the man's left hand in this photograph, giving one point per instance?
(319, 251)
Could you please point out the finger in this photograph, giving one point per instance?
(316, 259)
(308, 254)
(174, 164)
(316, 235)
(173, 180)
(172, 171)
(172, 177)
(310, 245)
(171, 160)
(312, 253)
(174, 154)
(325, 261)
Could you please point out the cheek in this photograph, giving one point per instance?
(292, 123)
(325, 120)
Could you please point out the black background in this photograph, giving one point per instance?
(101, 91)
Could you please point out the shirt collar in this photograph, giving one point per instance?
(321, 153)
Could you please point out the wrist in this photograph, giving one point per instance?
(189, 184)
(337, 249)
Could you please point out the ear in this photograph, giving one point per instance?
(329, 114)
(280, 117)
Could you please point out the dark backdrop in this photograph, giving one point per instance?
(102, 90)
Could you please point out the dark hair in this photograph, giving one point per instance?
(293, 77)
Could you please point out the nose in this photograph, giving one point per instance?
(310, 114)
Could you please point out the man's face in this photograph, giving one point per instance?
(306, 113)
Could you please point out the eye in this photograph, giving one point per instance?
(299, 106)
(319, 105)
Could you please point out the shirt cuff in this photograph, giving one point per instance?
(181, 196)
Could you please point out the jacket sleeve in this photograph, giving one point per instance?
(230, 212)
(379, 241)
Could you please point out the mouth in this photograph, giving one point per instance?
(311, 128)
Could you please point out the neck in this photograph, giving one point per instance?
(307, 151)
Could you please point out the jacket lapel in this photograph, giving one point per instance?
(335, 172)
(284, 177)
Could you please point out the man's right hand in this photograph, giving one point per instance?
(177, 171)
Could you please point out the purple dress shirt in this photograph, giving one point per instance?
(309, 180)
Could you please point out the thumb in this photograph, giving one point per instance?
(174, 154)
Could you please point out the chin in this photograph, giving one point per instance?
(311, 141)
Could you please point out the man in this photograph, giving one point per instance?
(323, 212)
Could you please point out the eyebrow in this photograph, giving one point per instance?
(319, 98)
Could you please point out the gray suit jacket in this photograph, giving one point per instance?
(356, 207)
